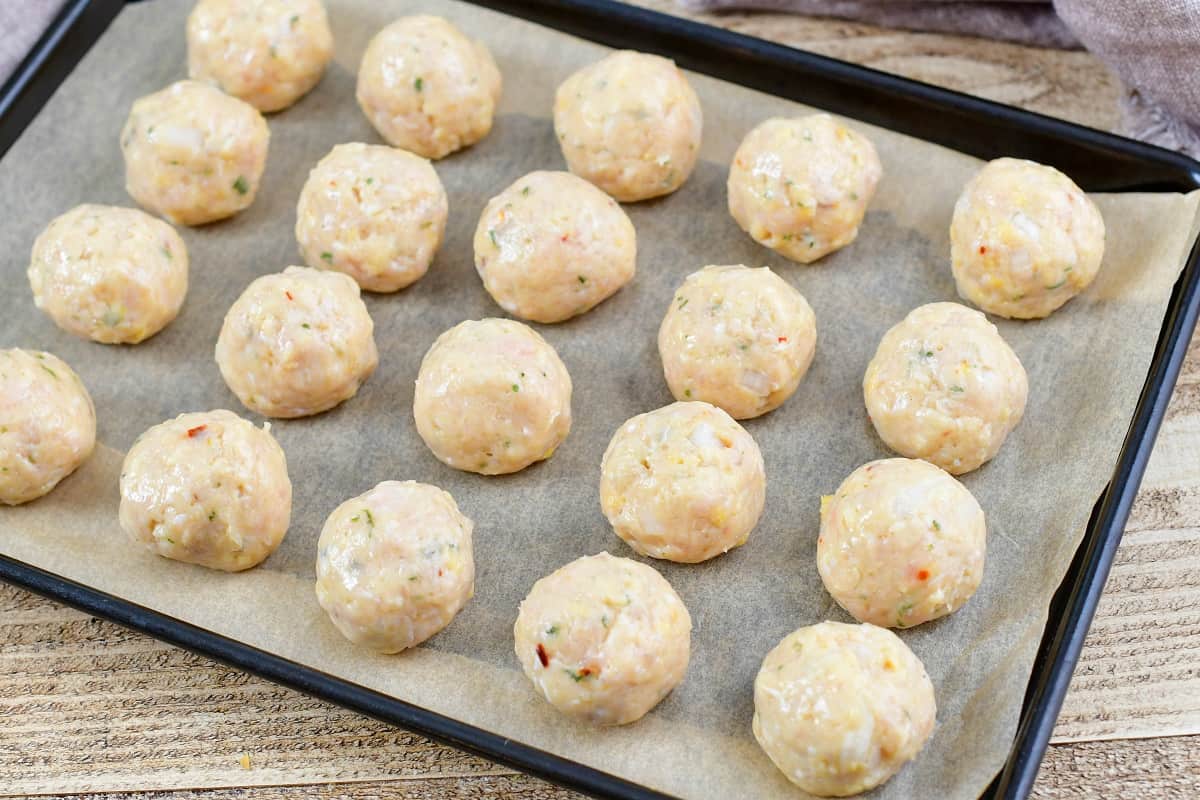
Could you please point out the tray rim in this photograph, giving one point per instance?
(80, 23)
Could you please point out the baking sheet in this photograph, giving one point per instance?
(1086, 365)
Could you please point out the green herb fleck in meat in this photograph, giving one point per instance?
(240, 185)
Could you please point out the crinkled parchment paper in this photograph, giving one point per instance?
(1086, 365)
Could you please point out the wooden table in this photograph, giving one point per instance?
(87, 707)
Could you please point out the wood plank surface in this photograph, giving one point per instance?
(1150, 768)
(89, 708)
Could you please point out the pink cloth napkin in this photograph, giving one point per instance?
(1153, 45)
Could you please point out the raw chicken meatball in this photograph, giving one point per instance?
(428, 88)
(902, 542)
(395, 565)
(604, 639)
(629, 123)
(193, 154)
(684, 483)
(492, 397)
(552, 246)
(207, 488)
(109, 274)
(801, 186)
(47, 424)
(373, 212)
(1024, 239)
(297, 343)
(841, 708)
(943, 386)
(269, 53)
(739, 338)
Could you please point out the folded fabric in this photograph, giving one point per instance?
(1030, 22)
(21, 23)
(1150, 44)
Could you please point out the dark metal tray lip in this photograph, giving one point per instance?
(722, 54)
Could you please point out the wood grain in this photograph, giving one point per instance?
(86, 707)
(1073, 85)
(1159, 768)
(1139, 673)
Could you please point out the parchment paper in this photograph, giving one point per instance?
(1086, 365)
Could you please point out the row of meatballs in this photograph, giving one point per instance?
(1024, 238)
(603, 638)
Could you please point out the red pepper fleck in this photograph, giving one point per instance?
(439, 572)
(923, 575)
(289, 295)
(193, 432)
(782, 339)
(583, 673)
(564, 237)
(982, 249)
(542, 657)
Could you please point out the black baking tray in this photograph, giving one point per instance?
(1098, 161)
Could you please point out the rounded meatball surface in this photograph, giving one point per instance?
(739, 338)
(297, 343)
(902, 542)
(193, 154)
(376, 213)
(841, 708)
(944, 387)
(603, 639)
(492, 397)
(552, 246)
(629, 123)
(113, 275)
(207, 488)
(801, 186)
(47, 424)
(684, 483)
(428, 88)
(269, 53)
(395, 565)
(1024, 239)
